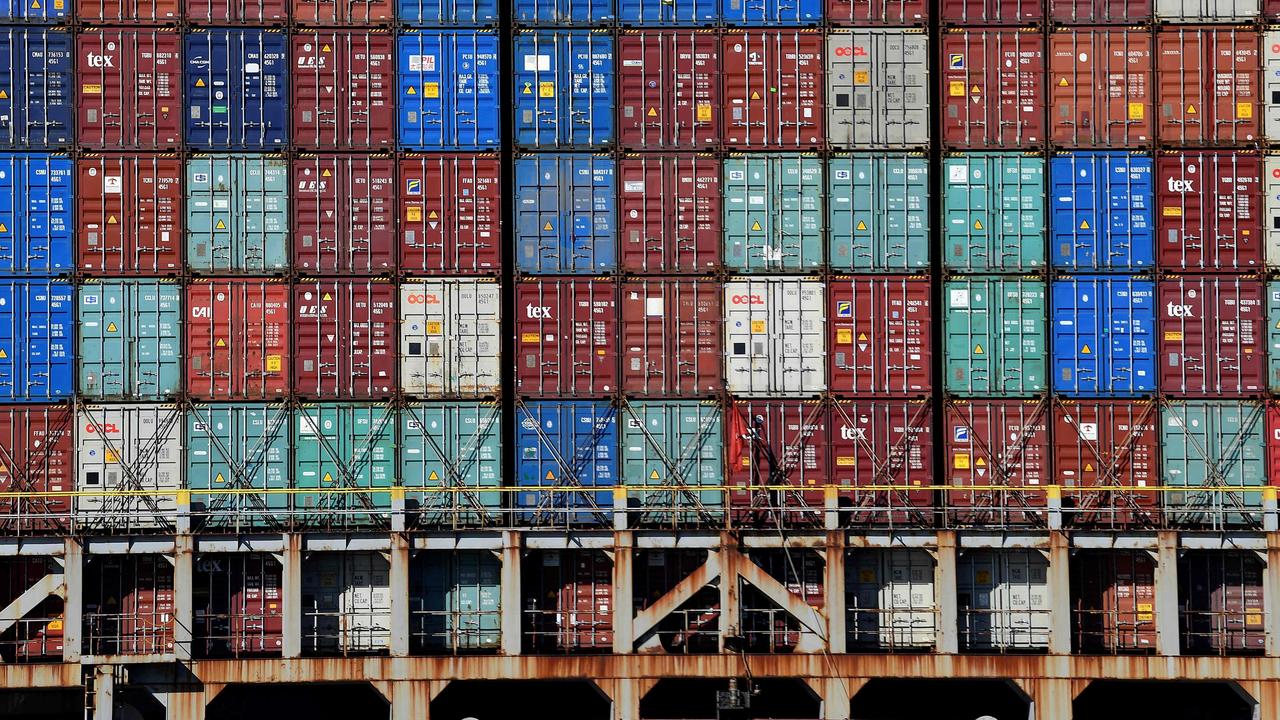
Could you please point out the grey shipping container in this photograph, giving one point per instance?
(891, 603)
(1271, 192)
(129, 462)
(1271, 88)
(346, 603)
(878, 89)
(775, 336)
(1208, 11)
(1003, 599)
(450, 338)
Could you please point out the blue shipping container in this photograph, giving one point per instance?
(771, 13)
(449, 90)
(455, 13)
(565, 215)
(563, 12)
(237, 89)
(668, 12)
(1104, 336)
(562, 444)
(34, 11)
(1102, 205)
(36, 236)
(37, 332)
(564, 89)
(37, 89)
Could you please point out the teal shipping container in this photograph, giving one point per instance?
(238, 213)
(878, 212)
(1213, 442)
(993, 208)
(455, 602)
(129, 339)
(1273, 336)
(996, 332)
(455, 448)
(773, 212)
(345, 449)
(243, 448)
(673, 444)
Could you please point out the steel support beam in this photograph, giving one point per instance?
(183, 592)
(1167, 593)
(291, 596)
(729, 559)
(945, 581)
(398, 585)
(104, 692)
(623, 582)
(73, 600)
(1271, 594)
(835, 601)
(511, 602)
(1058, 586)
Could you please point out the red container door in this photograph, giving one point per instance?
(878, 444)
(1101, 89)
(668, 90)
(1210, 211)
(586, 601)
(991, 12)
(257, 607)
(233, 12)
(1113, 594)
(1085, 12)
(993, 89)
(37, 455)
(450, 214)
(129, 214)
(880, 336)
(343, 12)
(1209, 90)
(344, 214)
(344, 339)
(566, 338)
(129, 89)
(146, 626)
(777, 453)
(669, 213)
(773, 90)
(1000, 449)
(343, 87)
(671, 338)
(125, 12)
(861, 13)
(1108, 444)
(1212, 341)
(238, 340)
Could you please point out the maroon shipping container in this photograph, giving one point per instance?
(993, 90)
(1108, 444)
(1113, 601)
(1221, 603)
(991, 12)
(234, 12)
(238, 605)
(862, 13)
(129, 85)
(1101, 88)
(773, 89)
(343, 12)
(879, 335)
(668, 89)
(1212, 338)
(1210, 211)
(1120, 12)
(775, 443)
(237, 340)
(669, 213)
(566, 338)
(880, 443)
(1209, 86)
(128, 605)
(344, 210)
(672, 337)
(997, 443)
(344, 339)
(129, 214)
(37, 635)
(450, 213)
(568, 601)
(124, 12)
(343, 88)
(37, 455)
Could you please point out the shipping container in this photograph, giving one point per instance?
(37, 87)
(346, 604)
(335, 12)
(37, 444)
(991, 12)
(1000, 448)
(344, 214)
(878, 212)
(568, 601)
(671, 337)
(34, 635)
(772, 447)
(450, 213)
(1273, 339)
(1101, 88)
(1207, 11)
(676, 446)
(236, 12)
(668, 88)
(566, 218)
(1113, 597)
(343, 89)
(128, 605)
(128, 467)
(1271, 77)
(344, 339)
(36, 199)
(1113, 446)
(455, 602)
(771, 13)
(560, 445)
(877, 89)
(1212, 337)
(877, 444)
(880, 337)
(563, 13)
(669, 213)
(1210, 211)
(130, 88)
(773, 86)
(37, 327)
(1003, 599)
(1100, 12)
(767, 628)
(237, 339)
(237, 89)
(775, 336)
(1222, 603)
(773, 212)
(238, 447)
(566, 338)
(238, 605)
(1212, 443)
(129, 340)
(862, 13)
(994, 217)
(340, 451)
(1103, 211)
(451, 338)
(1104, 336)
(454, 452)
(564, 89)
(695, 626)
(28, 11)
(890, 601)
(448, 90)
(124, 12)
(993, 87)
(1208, 85)
(654, 13)
(237, 213)
(129, 216)
(995, 330)
(1271, 200)
(455, 13)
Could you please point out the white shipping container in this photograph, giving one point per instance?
(891, 599)
(1003, 600)
(775, 336)
(1208, 11)
(346, 599)
(128, 448)
(450, 338)
(1271, 201)
(878, 88)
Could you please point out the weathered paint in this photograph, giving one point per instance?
(566, 338)
(1101, 88)
(129, 85)
(878, 212)
(993, 93)
(344, 214)
(38, 444)
(671, 337)
(1112, 445)
(128, 447)
(566, 218)
(341, 90)
(237, 213)
(450, 213)
(1001, 449)
(880, 443)
(129, 340)
(995, 336)
(455, 445)
(773, 212)
(238, 447)
(344, 339)
(773, 89)
(450, 338)
(668, 87)
(669, 213)
(1208, 86)
(880, 339)
(237, 339)
(994, 217)
(129, 214)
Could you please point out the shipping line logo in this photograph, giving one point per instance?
(412, 186)
(844, 308)
(955, 61)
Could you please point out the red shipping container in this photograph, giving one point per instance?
(235, 12)
(128, 605)
(237, 340)
(566, 338)
(1212, 338)
(991, 12)
(775, 443)
(450, 213)
(862, 13)
(672, 337)
(1101, 88)
(1209, 90)
(1222, 602)
(669, 213)
(773, 89)
(993, 89)
(37, 455)
(1101, 12)
(344, 214)
(992, 445)
(1210, 211)
(125, 12)
(129, 214)
(129, 85)
(343, 12)
(37, 635)
(1113, 601)
(880, 335)
(668, 90)
(239, 609)
(343, 90)
(878, 443)
(344, 339)
(569, 601)
(1108, 444)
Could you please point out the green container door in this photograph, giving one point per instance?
(996, 332)
(457, 601)
(1213, 442)
(129, 340)
(878, 212)
(458, 446)
(341, 446)
(673, 444)
(1273, 335)
(993, 207)
(238, 213)
(238, 447)
(773, 212)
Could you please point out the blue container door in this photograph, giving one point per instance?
(449, 91)
(237, 89)
(457, 13)
(563, 12)
(565, 214)
(564, 89)
(1104, 336)
(668, 12)
(33, 11)
(35, 215)
(566, 445)
(37, 89)
(1102, 205)
(771, 13)
(37, 328)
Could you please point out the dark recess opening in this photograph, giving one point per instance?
(60, 704)
(904, 699)
(313, 701)
(520, 699)
(774, 699)
(1167, 700)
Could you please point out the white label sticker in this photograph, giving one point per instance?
(653, 306)
(112, 184)
(252, 68)
(1089, 431)
(633, 186)
(537, 63)
(960, 298)
(958, 173)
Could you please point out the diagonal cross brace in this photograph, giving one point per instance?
(50, 584)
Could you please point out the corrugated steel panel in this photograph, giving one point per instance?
(773, 89)
(564, 89)
(773, 212)
(348, 446)
(1208, 11)
(450, 213)
(1212, 337)
(341, 85)
(1112, 445)
(994, 212)
(877, 89)
(447, 12)
(36, 76)
(1208, 443)
(456, 601)
(775, 336)
(129, 340)
(346, 603)
(890, 598)
(563, 12)
(344, 339)
(1004, 600)
(566, 444)
(333, 12)
(568, 601)
(1271, 209)
(566, 337)
(655, 13)
(237, 340)
(237, 89)
(235, 12)
(668, 89)
(1113, 597)
(763, 627)
(878, 212)
(1210, 211)
(450, 338)
(37, 325)
(775, 443)
(991, 12)
(128, 605)
(1209, 82)
(883, 443)
(671, 337)
(1103, 206)
(566, 219)
(1223, 603)
(455, 445)
(995, 336)
(669, 213)
(344, 214)
(1271, 78)
(124, 12)
(997, 443)
(880, 335)
(237, 213)
(36, 198)
(130, 88)
(14, 12)
(993, 88)
(1273, 338)
(128, 447)
(238, 605)
(877, 12)
(129, 214)
(673, 444)
(771, 13)
(38, 446)
(1104, 336)
(1101, 88)
(1118, 12)
(448, 90)
(238, 447)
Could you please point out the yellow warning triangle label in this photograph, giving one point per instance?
(4, 95)
(433, 476)
(111, 220)
(220, 343)
(4, 228)
(3, 354)
(111, 327)
(755, 225)
(653, 475)
(328, 478)
(980, 462)
(1088, 467)
(547, 226)
(528, 88)
(326, 48)
(220, 225)
(861, 225)
(977, 350)
(1084, 224)
(411, 91)
(219, 478)
(653, 113)
(1191, 109)
(200, 82)
(1063, 83)
(326, 173)
(432, 215)
(755, 95)
(550, 475)
(35, 4)
(1086, 350)
(977, 224)
(975, 90)
(327, 296)
(862, 336)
